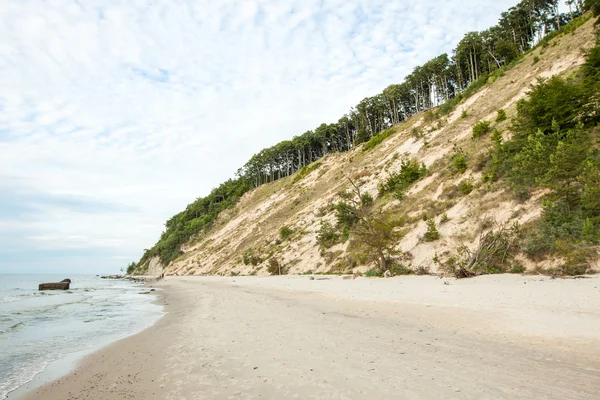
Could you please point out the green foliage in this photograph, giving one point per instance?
(501, 115)
(475, 86)
(373, 273)
(444, 218)
(416, 133)
(591, 67)
(250, 258)
(397, 269)
(197, 216)
(449, 105)
(493, 52)
(285, 232)
(590, 231)
(466, 186)
(552, 148)
(458, 161)
(131, 268)
(373, 233)
(507, 50)
(517, 269)
(432, 233)
(327, 236)
(536, 60)
(429, 116)
(397, 183)
(551, 102)
(377, 139)
(275, 268)
(464, 114)
(346, 215)
(304, 171)
(566, 165)
(481, 128)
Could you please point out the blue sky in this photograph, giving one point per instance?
(114, 115)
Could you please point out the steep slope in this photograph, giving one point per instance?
(245, 239)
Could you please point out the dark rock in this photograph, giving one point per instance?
(54, 286)
(66, 280)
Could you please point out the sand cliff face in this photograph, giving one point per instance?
(251, 228)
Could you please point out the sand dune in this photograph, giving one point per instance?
(494, 337)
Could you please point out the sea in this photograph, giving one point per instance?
(38, 329)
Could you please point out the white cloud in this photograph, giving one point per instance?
(150, 105)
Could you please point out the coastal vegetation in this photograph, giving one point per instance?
(553, 127)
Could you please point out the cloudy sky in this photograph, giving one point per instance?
(114, 115)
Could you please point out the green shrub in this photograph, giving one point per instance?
(285, 232)
(536, 60)
(577, 261)
(517, 269)
(410, 172)
(589, 231)
(444, 218)
(432, 233)
(131, 268)
(429, 116)
(416, 133)
(275, 268)
(250, 258)
(552, 103)
(399, 269)
(466, 186)
(450, 105)
(307, 169)
(482, 161)
(327, 235)
(377, 139)
(345, 214)
(458, 162)
(481, 128)
(501, 115)
(464, 114)
(476, 85)
(372, 273)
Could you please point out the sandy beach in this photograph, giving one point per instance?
(493, 337)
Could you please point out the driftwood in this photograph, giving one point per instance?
(495, 248)
(461, 272)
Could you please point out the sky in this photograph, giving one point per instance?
(114, 115)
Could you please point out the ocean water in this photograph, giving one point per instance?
(37, 328)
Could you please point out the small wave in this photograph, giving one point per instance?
(24, 296)
(8, 329)
(18, 324)
(16, 297)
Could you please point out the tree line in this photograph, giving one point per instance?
(432, 84)
(442, 81)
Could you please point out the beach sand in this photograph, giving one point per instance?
(492, 337)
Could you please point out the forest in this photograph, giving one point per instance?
(440, 83)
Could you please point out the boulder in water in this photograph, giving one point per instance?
(64, 285)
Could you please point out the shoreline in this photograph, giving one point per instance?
(265, 336)
(67, 363)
